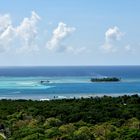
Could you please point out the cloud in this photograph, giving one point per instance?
(113, 34)
(5, 21)
(6, 32)
(6, 38)
(130, 49)
(77, 50)
(25, 33)
(23, 38)
(112, 37)
(59, 34)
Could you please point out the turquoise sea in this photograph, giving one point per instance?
(66, 82)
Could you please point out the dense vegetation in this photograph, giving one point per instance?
(105, 79)
(105, 118)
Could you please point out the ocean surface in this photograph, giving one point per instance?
(66, 82)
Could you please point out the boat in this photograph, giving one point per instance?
(44, 82)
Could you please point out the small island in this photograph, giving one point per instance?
(105, 79)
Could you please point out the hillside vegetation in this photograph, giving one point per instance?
(105, 118)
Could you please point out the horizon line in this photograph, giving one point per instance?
(63, 65)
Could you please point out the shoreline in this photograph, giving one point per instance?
(62, 97)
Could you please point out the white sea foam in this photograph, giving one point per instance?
(28, 83)
(45, 99)
(61, 97)
(2, 98)
(50, 86)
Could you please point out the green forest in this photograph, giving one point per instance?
(99, 118)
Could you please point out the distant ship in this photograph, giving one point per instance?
(44, 82)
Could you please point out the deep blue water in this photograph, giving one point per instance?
(121, 71)
(66, 82)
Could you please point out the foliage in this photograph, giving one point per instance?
(105, 118)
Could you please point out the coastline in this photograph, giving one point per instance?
(85, 96)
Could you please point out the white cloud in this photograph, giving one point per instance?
(5, 21)
(129, 49)
(77, 50)
(27, 33)
(112, 36)
(6, 32)
(59, 34)
(24, 37)
(6, 38)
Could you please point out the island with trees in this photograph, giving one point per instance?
(105, 79)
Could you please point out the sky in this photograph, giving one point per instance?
(74, 32)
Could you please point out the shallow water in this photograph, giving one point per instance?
(66, 82)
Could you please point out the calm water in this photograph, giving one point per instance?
(66, 82)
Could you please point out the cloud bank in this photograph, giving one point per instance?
(25, 35)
